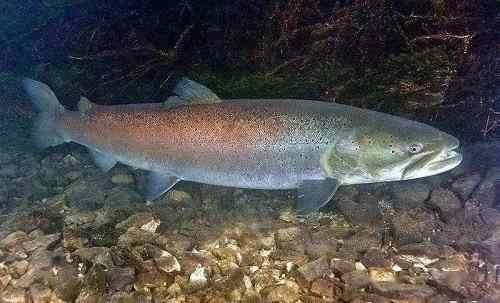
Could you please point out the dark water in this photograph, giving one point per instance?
(72, 233)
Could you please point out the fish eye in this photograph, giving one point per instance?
(415, 148)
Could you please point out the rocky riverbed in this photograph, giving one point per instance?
(70, 233)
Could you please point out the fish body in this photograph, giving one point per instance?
(249, 143)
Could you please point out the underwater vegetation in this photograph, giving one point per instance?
(434, 58)
(70, 232)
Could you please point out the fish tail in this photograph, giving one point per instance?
(45, 131)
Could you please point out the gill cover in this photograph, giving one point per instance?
(339, 158)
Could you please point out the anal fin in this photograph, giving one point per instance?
(158, 183)
(314, 194)
(102, 160)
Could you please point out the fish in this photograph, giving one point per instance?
(311, 146)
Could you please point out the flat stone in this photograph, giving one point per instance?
(122, 179)
(287, 234)
(375, 257)
(410, 194)
(93, 285)
(414, 225)
(119, 277)
(400, 291)
(80, 218)
(446, 202)
(14, 239)
(464, 186)
(490, 216)
(356, 279)
(456, 262)
(283, 294)
(40, 293)
(428, 249)
(323, 288)
(43, 241)
(340, 266)
(451, 280)
(39, 267)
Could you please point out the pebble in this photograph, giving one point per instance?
(490, 216)
(166, 262)
(4, 281)
(341, 266)
(119, 277)
(314, 270)
(13, 295)
(13, 239)
(43, 241)
(198, 278)
(135, 236)
(381, 275)
(283, 294)
(19, 268)
(427, 249)
(39, 267)
(323, 288)
(491, 246)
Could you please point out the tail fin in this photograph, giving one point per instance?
(45, 132)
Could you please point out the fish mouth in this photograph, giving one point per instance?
(434, 163)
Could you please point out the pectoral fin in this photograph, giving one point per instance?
(102, 160)
(158, 183)
(314, 194)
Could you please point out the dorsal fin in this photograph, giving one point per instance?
(191, 92)
(84, 105)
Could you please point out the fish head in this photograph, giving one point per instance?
(391, 150)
